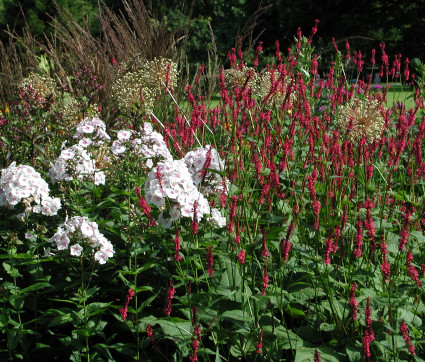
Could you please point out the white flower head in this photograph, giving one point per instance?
(81, 166)
(76, 250)
(124, 134)
(93, 129)
(171, 180)
(78, 231)
(23, 184)
(117, 148)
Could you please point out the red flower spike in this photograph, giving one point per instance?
(265, 281)
(409, 344)
(149, 332)
(259, 345)
(177, 246)
(317, 357)
(210, 262)
(170, 296)
(123, 310)
(353, 301)
(369, 336)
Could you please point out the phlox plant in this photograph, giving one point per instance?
(286, 223)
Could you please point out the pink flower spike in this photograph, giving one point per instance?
(409, 344)
(170, 296)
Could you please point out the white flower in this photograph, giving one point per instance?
(101, 257)
(164, 222)
(216, 220)
(117, 148)
(81, 166)
(21, 216)
(62, 242)
(85, 142)
(198, 162)
(124, 135)
(78, 231)
(171, 180)
(94, 128)
(23, 183)
(99, 178)
(76, 250)
(86, 229)
(67, 154)
(29, 236)
(87, 128)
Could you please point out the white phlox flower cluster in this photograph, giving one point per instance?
(147, 144)
(216, 220)
(75, 162)
(196, 160)
(91, 131)
(169, 186)
(23, 183)
(79, 233)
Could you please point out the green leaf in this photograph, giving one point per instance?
(97, 307)
(13, 272)
(146, 302)
(13, 338)
(353, 354)
(418, 235)
(142, 268)
(172, 327)
(17, 301)
(287, 339)
(231, 279)
(294, 312)
(326, 327)
(60, 320)
(5, 140)
(408, 317)
(327, 354)
(40, 148)
(34, 287)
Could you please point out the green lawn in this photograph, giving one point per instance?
(403, 94)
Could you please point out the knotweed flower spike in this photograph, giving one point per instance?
(81, 237)
(23, 183)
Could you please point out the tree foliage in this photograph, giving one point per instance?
(217, 23)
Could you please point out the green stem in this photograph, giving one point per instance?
(83, 297)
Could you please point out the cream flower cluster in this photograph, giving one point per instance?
(216, 220)
(169, 186)
(23, 183)
(212, 183)
(147, 144)
(75, 162)
(91, 131)
(79, 232)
